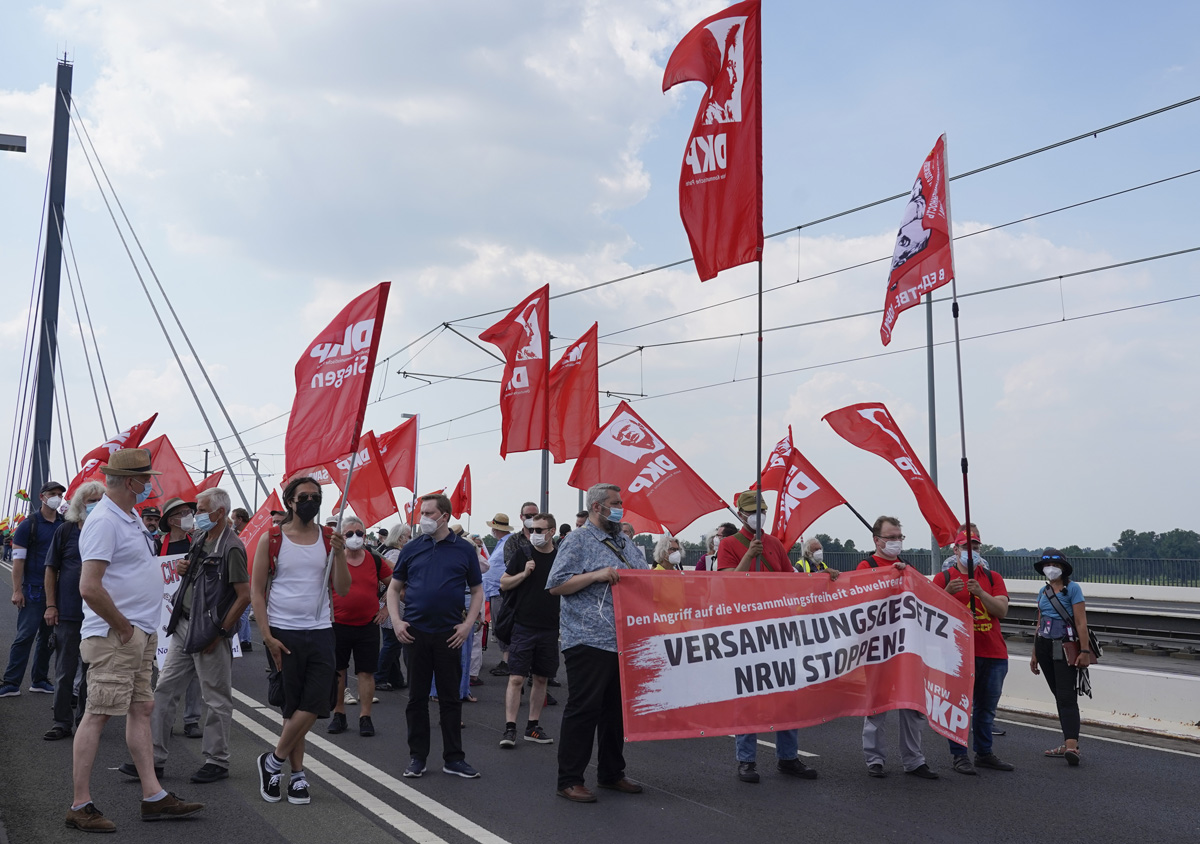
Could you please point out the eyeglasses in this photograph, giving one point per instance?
(541, 530)
(356, 533)
(308, 496)
(901, 537)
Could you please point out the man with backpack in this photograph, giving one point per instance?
(214, 589)
(987, 596)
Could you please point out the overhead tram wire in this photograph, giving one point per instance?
(157, 315)
(179, 323)
(91, 330)
(888, 257)
(1094, 133)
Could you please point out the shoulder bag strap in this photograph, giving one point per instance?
(1067, 618)
(613, 547)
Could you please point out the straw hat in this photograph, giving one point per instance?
(129, 462)
(175, 504)
(500, 522)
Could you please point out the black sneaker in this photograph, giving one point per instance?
(415, 768)
(192, 731)
(210, 772)
(500, 670)
(550, 701)
(991, 760)
(268, 783)
(298, 791)
(747, 772)
(796, 768)
(538, 735)
(963, 765)
(365, 727)
(923, 772)
(130, 770)
(553, 683)
(876, 770)
(337, 723)
(460, 769)
(509, 739)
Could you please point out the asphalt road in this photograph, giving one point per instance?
(1130, 787)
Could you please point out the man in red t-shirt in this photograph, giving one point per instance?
(356, 619)
(742, 552)
(889, 542)
(991, 654)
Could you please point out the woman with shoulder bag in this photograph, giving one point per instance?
(1061, 647)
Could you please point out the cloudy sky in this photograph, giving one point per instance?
(278, 158)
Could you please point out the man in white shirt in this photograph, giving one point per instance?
(122, 591)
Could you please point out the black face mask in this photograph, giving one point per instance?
(308, 510)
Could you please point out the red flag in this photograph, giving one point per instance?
(211, 482)
(98, 456)
(399, 449)
(924, 258)
(332, 380)
(259, 523)
(641, 524)
(804, 495)
(460, 499)
(524, 337)
(413, 515)
(370, 493)
(720, 184)
(654, 480)
(174, 482)
(575, 398)
(869, 426)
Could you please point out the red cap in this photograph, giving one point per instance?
(961, 538)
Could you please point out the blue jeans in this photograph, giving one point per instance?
(989, 683)
(31, 630)
(390, 654)
(787, 743)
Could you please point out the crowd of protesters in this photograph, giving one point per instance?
(407, 608)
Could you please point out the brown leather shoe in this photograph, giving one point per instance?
(577, 794)
(89, 819)
(170, 808)
(623, 785)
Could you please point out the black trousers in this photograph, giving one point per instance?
(593, 710)
(1060, 677)
(430, 656)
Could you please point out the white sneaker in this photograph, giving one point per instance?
(348, 698)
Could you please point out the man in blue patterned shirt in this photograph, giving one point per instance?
(588, 564)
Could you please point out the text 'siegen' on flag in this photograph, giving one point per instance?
(575, 398)
(923, 259)
(870, 427)
(720, 182)
(524, 338)
(655, 481)
(333, 378)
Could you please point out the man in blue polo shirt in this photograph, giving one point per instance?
(31, 542)
(433, 572)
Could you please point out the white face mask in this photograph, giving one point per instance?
(1052, 572)
(893, 547)
(187, 522)
(538, 539)
(428, 525)
(754, 521)
(354, 543)
(528, 523)
(675, 558)
(818, 556)
(54, 502)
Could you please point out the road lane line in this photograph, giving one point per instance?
(798, 752)
(368, 801)
(1103, 738)
(420, 800)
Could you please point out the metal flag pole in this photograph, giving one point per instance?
(340, 515)
(933, 472)
(962, 419)
(416, 482)
(758, 446)
(545, 496)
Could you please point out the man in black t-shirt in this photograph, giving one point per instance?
(534, 645)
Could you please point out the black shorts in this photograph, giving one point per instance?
(360, 640)
(533, 649)
(309, 676)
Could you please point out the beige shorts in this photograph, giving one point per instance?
(118, 675)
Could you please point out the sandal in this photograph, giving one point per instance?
(470, 699)
(1059, 752)
(1072, 756)
(57, 732)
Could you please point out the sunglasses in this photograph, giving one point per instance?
(308, 496)
(541, 530)
(356, 533)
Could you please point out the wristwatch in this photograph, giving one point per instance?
(226, 634)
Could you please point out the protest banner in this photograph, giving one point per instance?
(706, 655)
(171, 582)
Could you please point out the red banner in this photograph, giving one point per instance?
(370, 495)
(460, 499)
(211, 482)
(654, 480)
(705, 655)
(412, 515)
(258, 525)
(98, 456)
(870, 427)
(720, 183)
(399, 449)
(524, 338)
(641, 524)
(332, 380)
(804, 494)
(174, 482)
(923, 259)
(575, 398)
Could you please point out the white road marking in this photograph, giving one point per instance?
(1102, 738)
(443, 813)
(798, 752)
(368, 801)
